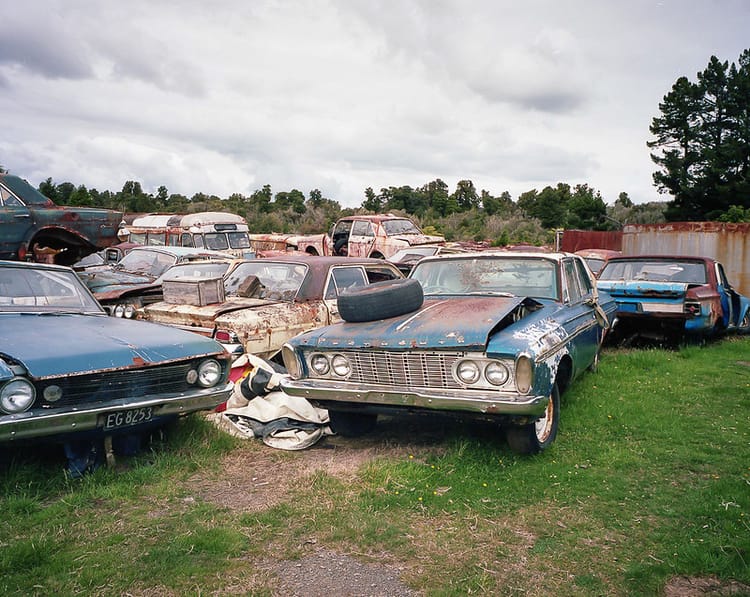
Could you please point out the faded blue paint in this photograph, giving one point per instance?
(439, 324)
(67, 344)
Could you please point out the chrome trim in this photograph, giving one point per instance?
(494, 403)
(77, 419)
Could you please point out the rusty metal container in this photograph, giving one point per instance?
(194, 291)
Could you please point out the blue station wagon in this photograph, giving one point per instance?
(495, 336)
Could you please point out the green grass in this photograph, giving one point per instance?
(649, 479)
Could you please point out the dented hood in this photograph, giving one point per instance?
(67, 344)
(173, 314)
(455, 323)
(419, 239)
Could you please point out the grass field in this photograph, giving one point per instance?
(649, 481)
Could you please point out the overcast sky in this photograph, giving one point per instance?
(224, 97)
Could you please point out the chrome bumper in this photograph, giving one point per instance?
(77, 419)
(488, 403)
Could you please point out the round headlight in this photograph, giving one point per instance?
(524, 374)
(291, 362)
(319, 364)
(209, 373)
(467, 372)
(341, 365)
(17, 396)
(496, 373)
(119, 311)
(129, 312)
(52, 393)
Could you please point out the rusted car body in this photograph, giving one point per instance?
(270, 300)
(35, 229)
(376, 236)
(662, 297)
(136, 279)
(406, 259)
(499, 336)
(214, 230)
(68, 371)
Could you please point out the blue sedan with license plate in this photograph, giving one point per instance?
(494, 336)
(69, 372)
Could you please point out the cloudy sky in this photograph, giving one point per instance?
(224, 97)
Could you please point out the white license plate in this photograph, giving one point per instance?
(125, 418)
(662, 307)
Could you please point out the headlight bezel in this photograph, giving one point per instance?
(9, 396)
(209, 373)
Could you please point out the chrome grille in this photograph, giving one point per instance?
(120, 384)
(412, 369)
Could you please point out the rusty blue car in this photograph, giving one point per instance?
(493, 336)
(70, 373)
(672, 298)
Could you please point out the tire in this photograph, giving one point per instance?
(535, 437)
(380, 300)
(351, 424)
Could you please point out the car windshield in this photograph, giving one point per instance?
(655, 270)
(393, 227)
(146, 261)
(275, 280)
(32, 290)
(515, 276)
(213, 269)
(239, 240)
(594, 263)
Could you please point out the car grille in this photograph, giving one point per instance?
(412, 369)
(116, 385)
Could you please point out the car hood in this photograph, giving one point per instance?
(176, 314)
(107, 280)
(441, 324)
(419, 239)
(643, 288)
(67, 344)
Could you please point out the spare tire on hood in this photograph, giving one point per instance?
(380, 300)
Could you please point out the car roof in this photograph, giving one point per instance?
(31, 264)
(663, 258)
(551, 256)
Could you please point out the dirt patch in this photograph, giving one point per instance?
(255, 477)
(685, 586)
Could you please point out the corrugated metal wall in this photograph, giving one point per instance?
(728, 243)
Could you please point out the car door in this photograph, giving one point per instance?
(361, 239)
(581, 323)
(15, 222)
(730, 300)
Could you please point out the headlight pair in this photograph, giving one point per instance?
(124, 310)
(322, 365)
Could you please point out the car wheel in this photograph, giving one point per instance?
(532, 438)
(351, 424)
(380, 300)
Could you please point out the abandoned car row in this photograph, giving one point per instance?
(373, 318)
(491, 335)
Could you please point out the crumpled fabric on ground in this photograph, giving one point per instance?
(258, 409)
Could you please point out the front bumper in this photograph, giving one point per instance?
(469, 401)
(40, 423)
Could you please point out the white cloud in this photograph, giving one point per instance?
(343, 95)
